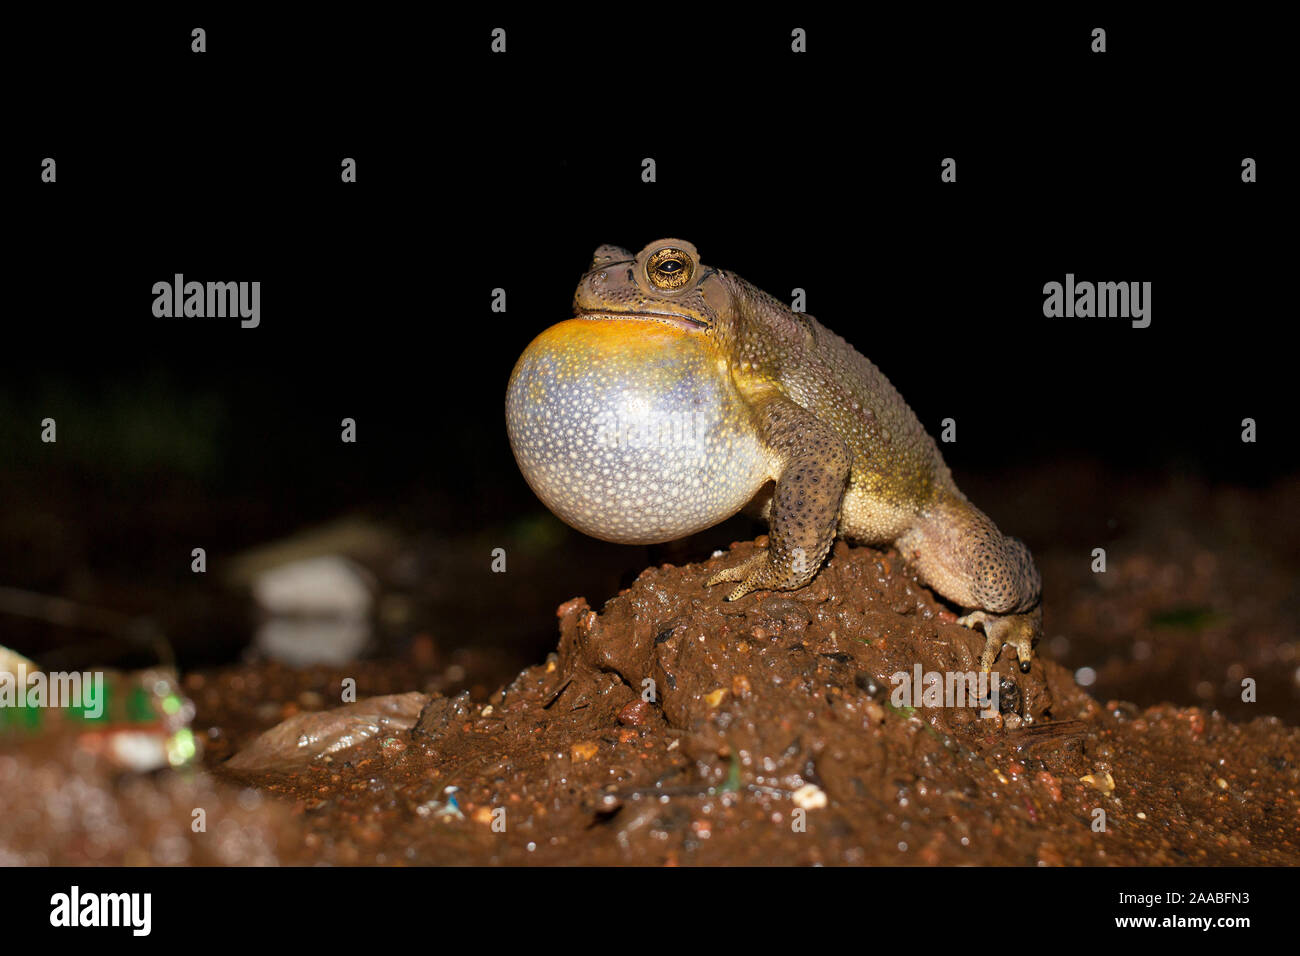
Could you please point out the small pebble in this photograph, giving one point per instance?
(1100, 781)
(584, 750)
(635, 713)
(809, 797)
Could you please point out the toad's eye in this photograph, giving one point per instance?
(670, 268)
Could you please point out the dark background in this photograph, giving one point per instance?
(478, 171)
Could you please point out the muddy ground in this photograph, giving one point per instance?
(670, 727)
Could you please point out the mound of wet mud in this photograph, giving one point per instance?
(672, 727)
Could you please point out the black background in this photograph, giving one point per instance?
(478, 171)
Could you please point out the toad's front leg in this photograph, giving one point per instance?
(813, 469)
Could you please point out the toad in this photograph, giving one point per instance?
(680, 393)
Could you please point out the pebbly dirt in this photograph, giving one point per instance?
(671, 727)
(775, 704)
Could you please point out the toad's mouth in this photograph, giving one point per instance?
(668, 318)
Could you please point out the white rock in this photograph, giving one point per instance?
(327, 586)
(809, 797)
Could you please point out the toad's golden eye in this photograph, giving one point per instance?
(669, 268)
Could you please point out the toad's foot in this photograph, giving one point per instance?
(777, 569)
(749, 573)
(1018, 630)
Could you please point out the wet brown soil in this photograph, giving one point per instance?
(670, 727)
(772, 704)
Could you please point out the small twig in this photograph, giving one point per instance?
(556, 695)
(64, 612)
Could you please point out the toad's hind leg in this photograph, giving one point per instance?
(959, 551)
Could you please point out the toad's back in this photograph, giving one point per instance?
(895, 467)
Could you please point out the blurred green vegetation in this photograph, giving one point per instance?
(122, 430)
